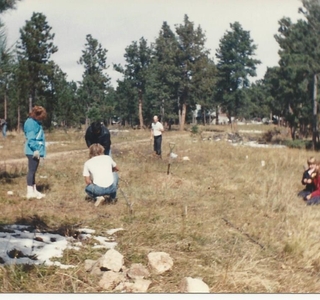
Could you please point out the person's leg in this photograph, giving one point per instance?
(159, 144)
(94, 190)
(303, 194)
(155, 144)
(314, 201)
(33, 164)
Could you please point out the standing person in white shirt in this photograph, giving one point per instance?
(100, 175)
(156, 134)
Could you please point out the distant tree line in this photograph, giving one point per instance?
(167, 77)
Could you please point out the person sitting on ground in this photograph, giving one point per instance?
(97, 133)
(307, 178)
(314, 197)
(100, 175)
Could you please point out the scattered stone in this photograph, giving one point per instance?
(112, 260)
(185, 158)
(9, 193)
(110, 280)
(160, 262)
(193, 285)
(96, 271)
(89, 264)
(138, 271)
(139, 286)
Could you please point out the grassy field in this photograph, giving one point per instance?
(221, 216)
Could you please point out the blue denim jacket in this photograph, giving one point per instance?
(34, 134)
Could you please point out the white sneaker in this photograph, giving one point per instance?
(31, 195)
(98, 200)
(39, 195)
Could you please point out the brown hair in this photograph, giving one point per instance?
(95, 150)
(38, 113)
(312, 160)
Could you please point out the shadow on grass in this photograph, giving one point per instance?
(38, 223)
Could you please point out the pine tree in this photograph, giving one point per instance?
(93, 90)
(34, 52)
(235, 64)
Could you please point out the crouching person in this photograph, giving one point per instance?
(100, 175)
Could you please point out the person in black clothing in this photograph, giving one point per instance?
(307, 179)
(97, 133)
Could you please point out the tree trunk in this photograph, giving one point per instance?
(5, 105)
(30, 104)
(315, 107)
(183, 116)
(19, 119)
(217, 115)
(140, 110)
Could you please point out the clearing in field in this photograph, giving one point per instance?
(221, 214)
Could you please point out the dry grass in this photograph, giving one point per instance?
(182, 214)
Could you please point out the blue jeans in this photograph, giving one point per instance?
(94, 190)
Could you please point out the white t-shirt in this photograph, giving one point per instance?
(99, 168)
(156, 128)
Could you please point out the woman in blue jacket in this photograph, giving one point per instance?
(35, 147)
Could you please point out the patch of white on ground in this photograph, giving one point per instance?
(257, 145)
(20, 244)
(53, 143)
(251, 131)
(118, 130)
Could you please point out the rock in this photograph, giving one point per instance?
(9, 193)
(193, 285)
(96, 271)
(160, 262)
(110, 280)
(139, 286)
(138, 271)
(112, 260)
(88, 264)
(185, 158)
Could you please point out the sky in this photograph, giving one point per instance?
(117, 23)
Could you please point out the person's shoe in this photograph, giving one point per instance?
(31, 195)
(98, 200)
(113, 201)
(39, 195)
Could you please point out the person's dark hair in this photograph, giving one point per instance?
(96, 127)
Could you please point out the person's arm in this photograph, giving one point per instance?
(151, 132)
(305, 178)
(87, 180)
(161, 127)
(87, 137)
(115, 169)
(105, 140)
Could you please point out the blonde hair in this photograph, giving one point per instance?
(38, 113)
(95, 150)
(312, 160)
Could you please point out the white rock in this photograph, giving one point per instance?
(110, 280)
(10, 193)
(112, 260)
(138, 271)
(185, 158)
(88, 264)
(139, 286)
(263, 163)
(193, 285)
(160, 262)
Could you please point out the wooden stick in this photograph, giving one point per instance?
(246, 234)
